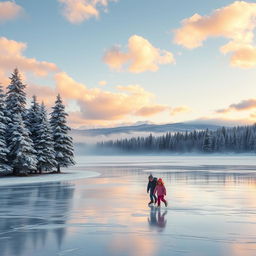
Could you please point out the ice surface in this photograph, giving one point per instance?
(165, 160)
(210, 213)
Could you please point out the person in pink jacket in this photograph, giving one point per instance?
(161, 192)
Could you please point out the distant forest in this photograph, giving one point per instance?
(236, 139)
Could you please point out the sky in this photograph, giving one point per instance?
(118, 62)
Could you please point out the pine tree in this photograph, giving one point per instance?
(63, 144)
(16, 96)
(22, 153)
(45, 145)
(33, 120)
(4, 166)
(207, 142)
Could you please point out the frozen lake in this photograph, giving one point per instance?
(211, 212)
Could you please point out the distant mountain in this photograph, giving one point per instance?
(145, 128)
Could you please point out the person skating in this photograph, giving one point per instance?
(160, 190)
(150, 189)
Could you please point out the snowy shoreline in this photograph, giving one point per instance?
(64, 176)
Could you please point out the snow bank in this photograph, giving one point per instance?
(64, 176)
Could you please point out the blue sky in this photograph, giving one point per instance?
(201, 80)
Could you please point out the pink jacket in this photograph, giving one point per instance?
(160, 190)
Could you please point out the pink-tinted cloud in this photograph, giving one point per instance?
(244, 57)
(77, 11)
(151, 110)
(253, 115)
(98, 104)
(241, 106)
(102, 82)
(9, 11)
(235, 22)
(178, 110)
(44, 94)
(11, 55)
(141, 56)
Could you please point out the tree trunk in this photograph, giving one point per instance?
(58, 168)
(15, 171)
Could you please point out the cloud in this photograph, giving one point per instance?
(9, 11)
(100, 107)
(98, 104)
(102, 82)
(253, 115)
(178, 110)
(77, 11)
(11, 55)
(241, 106)
(44, 93)
(151, 110)
(235, 22)
(141, 56)
(245, 57)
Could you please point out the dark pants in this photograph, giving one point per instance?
(153, 197)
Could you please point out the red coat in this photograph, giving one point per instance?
(160, 190)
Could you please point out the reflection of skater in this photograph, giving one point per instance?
(161, 192)
(151, 187)
(161, 219)
(156, 218)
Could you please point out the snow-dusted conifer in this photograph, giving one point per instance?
(22, 153)
(63, 144)
(45, 146)
(207, 142)
(4, 166)
(15, 95)
(33, 120)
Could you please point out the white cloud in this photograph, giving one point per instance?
(102, 82)
(11, 56)
(235, 22)
(9, 11)
(77, 11)
(141, 56)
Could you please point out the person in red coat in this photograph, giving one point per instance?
(160, 190)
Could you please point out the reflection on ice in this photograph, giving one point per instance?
(157, 218)
(25, 209)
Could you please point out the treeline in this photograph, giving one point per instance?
(235, 139)
(29, 141)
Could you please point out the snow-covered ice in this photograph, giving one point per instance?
(64, 176)
(211, 209)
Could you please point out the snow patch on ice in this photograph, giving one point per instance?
(64, 176)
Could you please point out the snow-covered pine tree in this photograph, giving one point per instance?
(4, 166)
(33, 120)
(207, 142)
(22, 153)
(44, 143)
(15, 95)
(63, 144)
(17, 134)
